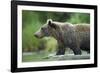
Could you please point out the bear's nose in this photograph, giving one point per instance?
(35, 35)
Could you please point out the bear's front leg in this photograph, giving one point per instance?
(60, 50)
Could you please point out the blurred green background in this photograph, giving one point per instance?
(33, 20)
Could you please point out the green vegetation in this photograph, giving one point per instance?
(79, 18)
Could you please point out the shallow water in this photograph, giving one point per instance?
(44, 56)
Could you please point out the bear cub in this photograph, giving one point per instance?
(76, 37)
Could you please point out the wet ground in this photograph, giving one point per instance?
(44, 56)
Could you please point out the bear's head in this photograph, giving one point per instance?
(48, 29)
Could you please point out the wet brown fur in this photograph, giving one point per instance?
(75, 37)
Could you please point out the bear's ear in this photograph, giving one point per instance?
(51, 24)
(49, 21)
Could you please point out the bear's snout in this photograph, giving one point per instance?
(36, 35)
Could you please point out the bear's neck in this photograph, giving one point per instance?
(58, 36)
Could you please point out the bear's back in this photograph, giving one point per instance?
(82, 28)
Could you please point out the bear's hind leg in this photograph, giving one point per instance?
(77, 51)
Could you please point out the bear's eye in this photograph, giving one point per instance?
(42, 28)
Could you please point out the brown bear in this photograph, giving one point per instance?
(76, 37)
